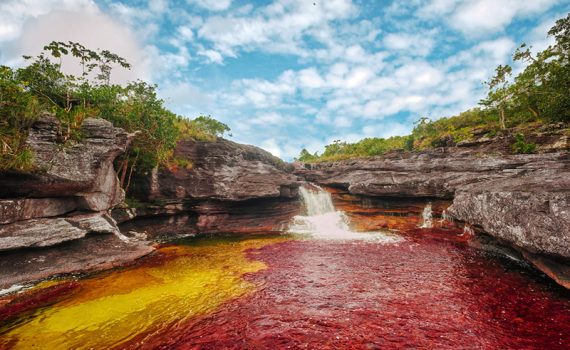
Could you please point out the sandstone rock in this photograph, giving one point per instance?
(12, 210)
(38, 233)
(532, 212)
(82, 169)
(51, 231)
(92, 253)
(521, 199)
(221, 170)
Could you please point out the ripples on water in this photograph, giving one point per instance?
(338, 291)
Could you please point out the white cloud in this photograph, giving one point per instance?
(13, 13)
(272, 147)
(479, 17)
(83, 23)
(387, 129)
(278, 27)
(185, 98)
(212, 56)
(212, 5)
(416, 44)
(185, 33)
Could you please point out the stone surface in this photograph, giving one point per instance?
(435, 174)
(521, 199)
(230, 187)
(82, 169)
(221, 170)
(532, 212)
(211, 216)
(38, 233)
(51, 231)
(12, 210)
(92, 253)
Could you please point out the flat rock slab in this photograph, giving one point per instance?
(51, 231)
(92, 253)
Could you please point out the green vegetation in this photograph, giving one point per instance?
(538, 95)
(42, 86)
(521, 146)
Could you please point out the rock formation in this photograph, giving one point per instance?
(67, 197)
(522, 200)
(57, 219)
(226, 187)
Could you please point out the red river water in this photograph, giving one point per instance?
(425, 288)
(421, 293)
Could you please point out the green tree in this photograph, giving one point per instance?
(211, 125)
(500, 92)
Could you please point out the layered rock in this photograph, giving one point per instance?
(223, 187)
(222, 170)
(65, 199)
(522, 200)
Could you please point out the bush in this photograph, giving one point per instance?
(135, 107)
(521, 146)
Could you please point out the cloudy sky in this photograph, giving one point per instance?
(288, 74)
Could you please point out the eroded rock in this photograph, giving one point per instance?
(221, 170)
(51, 231)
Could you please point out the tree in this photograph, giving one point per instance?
(500, 92)
(305, 156)
(541, 89)
(211, 125)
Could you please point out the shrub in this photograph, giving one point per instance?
(521, 146)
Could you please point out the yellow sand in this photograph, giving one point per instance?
(115, 307)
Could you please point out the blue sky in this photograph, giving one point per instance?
(293, 74)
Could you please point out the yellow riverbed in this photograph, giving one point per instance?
(115, 307)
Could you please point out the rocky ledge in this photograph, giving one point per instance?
(65, 200)
(223, 187)
(68, 215)
(522, 200)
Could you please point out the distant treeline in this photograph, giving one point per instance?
(539, 94)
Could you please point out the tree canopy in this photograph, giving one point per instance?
(42, 85)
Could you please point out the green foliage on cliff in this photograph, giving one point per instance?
(42, 86)
(538, 95)
(521, 146)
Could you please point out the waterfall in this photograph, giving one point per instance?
(323, 221)
(427, 217)
(467, 230)
(445, 217)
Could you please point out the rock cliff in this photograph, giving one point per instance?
(66, 198)
(522, 200)
(63, 216)
(223, 187)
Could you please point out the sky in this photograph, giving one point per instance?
(293, 74)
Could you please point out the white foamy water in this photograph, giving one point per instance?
(445, 217)
(323, 221)
(427, 217)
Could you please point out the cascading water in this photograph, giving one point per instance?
(427, 217)
(445, 217)
(323, 221)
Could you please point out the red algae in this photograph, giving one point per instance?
(35, 299)
(426, 292)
